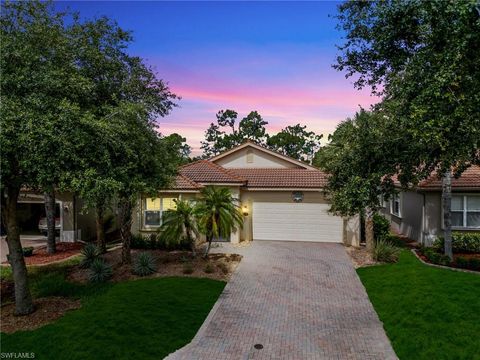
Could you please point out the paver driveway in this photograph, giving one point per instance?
(299, 301)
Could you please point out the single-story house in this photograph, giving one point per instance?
(73, 222)
(281, 198)
(418, 214)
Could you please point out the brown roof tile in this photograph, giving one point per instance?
(282, 178)
(470, 179)
(183, 183)
(204, 171)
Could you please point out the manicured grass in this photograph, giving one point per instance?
(428, 313)
(143, 319)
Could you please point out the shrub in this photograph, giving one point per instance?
(395, 240)
(381, 227)
(144, 264)
(466, 263)
(435, 257)
(223, 267)
(89, 254)
(100, 271)
(385, 251)
(27, 251)
(209, 269)
(187, 268)
(155, 242)
(461, 242)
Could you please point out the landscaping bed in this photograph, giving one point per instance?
(170, 263)
(64, 250)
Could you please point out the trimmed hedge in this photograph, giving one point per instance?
(435, 257)
(461, 242)
(468, 263)
(155, 242)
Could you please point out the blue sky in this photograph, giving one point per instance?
(273, 57)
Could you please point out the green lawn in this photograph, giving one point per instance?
(428, 313)
(143, 319)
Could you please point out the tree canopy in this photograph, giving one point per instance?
(295, 141)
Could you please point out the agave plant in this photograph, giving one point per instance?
(100, 271)
(89, 253)
(144, 264)
(218, 214)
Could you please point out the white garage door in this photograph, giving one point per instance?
(295, 222)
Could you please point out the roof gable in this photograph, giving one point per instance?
(262, 158)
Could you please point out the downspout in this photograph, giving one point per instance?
(423, 220)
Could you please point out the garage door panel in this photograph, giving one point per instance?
(295, 222)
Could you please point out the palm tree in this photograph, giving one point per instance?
(218, 214)
(180, 224)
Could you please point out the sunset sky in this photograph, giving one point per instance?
(273, 57)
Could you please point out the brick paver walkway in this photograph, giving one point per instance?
(299, 301)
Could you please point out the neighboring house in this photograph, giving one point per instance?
(73, 222)
(418, 213)
(281, 198)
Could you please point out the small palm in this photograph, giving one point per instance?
(218, 213)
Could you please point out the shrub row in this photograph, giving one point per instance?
(461, 243)
(155, 242)
(468, 263)
(435, 257)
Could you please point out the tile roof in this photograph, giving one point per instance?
(469, 180)
(282, 178)
(183, 183)
(204, 171)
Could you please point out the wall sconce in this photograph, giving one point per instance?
(245, 210)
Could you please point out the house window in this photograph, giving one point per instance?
(154, 208)
(396, 205)
(466, 211)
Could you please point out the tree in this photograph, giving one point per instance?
(361, 162)
(180, 225)
(218, 214)
(422, 58)
(39, 85)
(178, 145)
(126, 99)
(296, 142)
(224, 135)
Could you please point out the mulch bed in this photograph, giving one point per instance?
(64, 250)
(452, 265)
(170, 263)
(47, 310)
(360, 256)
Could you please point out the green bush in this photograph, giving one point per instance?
(27, 251)
(461, 242)
(381, 227)
(187, 268)
(100, 271)
(89, 253)
(385, 251)
(435, 257)
(144, 264)
(468, 263)
(209, 269)
(155, 242)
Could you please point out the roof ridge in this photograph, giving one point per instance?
(224, 170)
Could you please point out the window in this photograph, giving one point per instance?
(153, 209)
(396, 205)
(466, 211)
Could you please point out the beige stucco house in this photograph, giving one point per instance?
(418, 214)
(281, 198)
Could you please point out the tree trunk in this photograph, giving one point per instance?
(369, 235)
(191, 241)
(447, 215)
(23, 298)
(126, 208)
(209, 243)
(49, 197)
(100, 227)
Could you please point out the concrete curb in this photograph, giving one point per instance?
(443, 266)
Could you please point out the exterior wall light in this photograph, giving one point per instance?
(245, 210)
